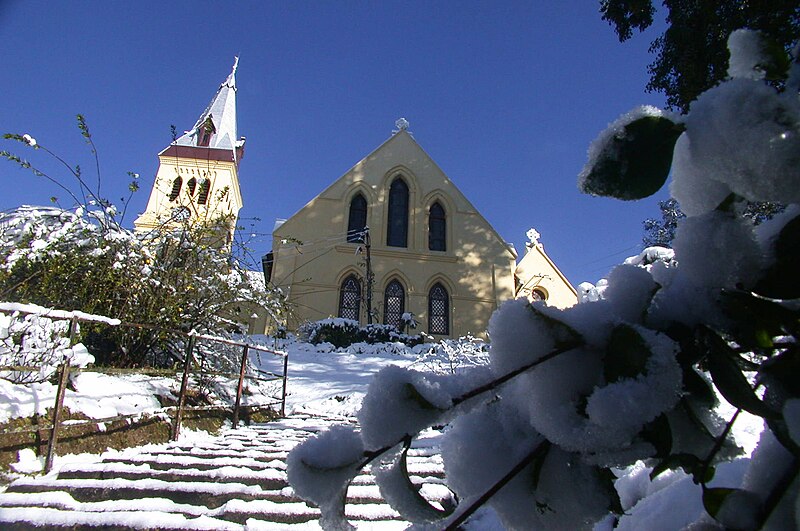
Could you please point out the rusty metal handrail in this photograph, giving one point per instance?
(76, 317)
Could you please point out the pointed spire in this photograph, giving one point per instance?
(216, 127)
(231, 81)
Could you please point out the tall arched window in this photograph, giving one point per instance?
(394, 303)
(205, 187)
(350, 298)
(176, 188)
(357, 220)
(397, 228)
(437, 228)
(192, 184)
(438, 310)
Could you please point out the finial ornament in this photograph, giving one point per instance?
(401, 124)
(533, 237)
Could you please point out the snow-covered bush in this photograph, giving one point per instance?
(629, 382)
(451, 356)
(31, 341)
(338, 332)
(81, 258)
(341, 332)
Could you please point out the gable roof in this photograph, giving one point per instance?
(399, 141)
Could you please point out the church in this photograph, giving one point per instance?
(390, 241)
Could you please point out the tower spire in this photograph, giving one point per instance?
(198, 174)
(216, 127)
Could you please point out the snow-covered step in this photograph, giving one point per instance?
(235, 481)
(270, 479)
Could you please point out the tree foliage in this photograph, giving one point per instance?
(662, 232)
(691, 55)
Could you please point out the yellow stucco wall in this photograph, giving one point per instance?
(537, 273)
(312, 256)
(224, 198)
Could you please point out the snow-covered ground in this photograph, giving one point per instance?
(329, 382)
(322, 380)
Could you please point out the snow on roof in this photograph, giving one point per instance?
(222, 111)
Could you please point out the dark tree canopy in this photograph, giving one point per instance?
(692, 55)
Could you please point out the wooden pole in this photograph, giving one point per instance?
(59, 405)
(62, 389)
(239, 388)
(187, 362)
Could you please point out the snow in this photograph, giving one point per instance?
(747, 55)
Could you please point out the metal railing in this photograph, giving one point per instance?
(189, 359)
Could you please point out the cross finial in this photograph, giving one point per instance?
(401, 124)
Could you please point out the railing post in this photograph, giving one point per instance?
(187, 362)
(62, 389)
(240, 387)
(73, 330)
(283, 393)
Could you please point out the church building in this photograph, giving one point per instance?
(390, 240)
(395, 236)
(197, 179)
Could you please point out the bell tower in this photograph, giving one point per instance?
(197, 181)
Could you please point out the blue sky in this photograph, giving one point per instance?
(504, 96)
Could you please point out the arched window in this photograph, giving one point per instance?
(357, 220)
(350, 298)
(192, 184)
(205, 187)
(176, 188)
(438, 310)
(437, 228)
(394, 303)
(397, 228)
(538, 294)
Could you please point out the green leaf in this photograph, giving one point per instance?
(690, 464)
(714, 498)
(698, 388)
(780, 280)
(728, 377)
(635, 163)
(659, 434)
(755, 318)
(626, 354)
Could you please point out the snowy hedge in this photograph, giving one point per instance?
(588, 413)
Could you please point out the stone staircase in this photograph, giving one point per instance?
(234, 481)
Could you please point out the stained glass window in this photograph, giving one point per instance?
(397, 228)
(437, 227)
(438, 310)
(357, 219)
(350, 298)
(394, 303)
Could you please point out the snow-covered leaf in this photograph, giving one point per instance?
(632, 158)
(403, 495)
